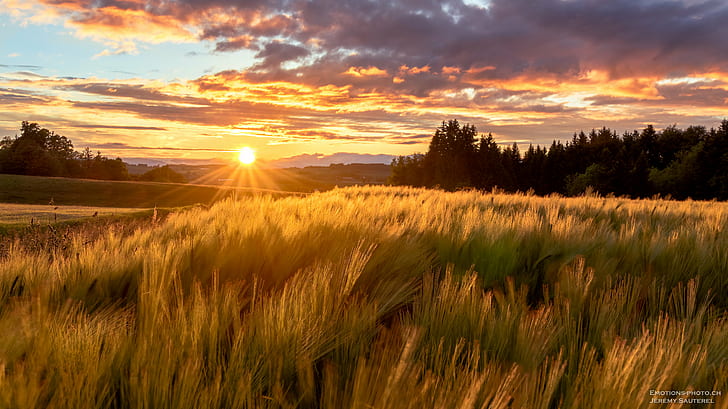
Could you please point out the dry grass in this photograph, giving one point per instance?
(376, 298)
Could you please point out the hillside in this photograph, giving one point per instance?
(293, 179)
(85, 192)
(377, 297)
(306, 179)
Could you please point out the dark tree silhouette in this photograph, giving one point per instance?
(40, 152)
(451, 157)
(489, 169)
(681, 163)
(408, 170)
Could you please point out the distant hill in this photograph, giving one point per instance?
(305, 179)
(66, 191)
(317, 159)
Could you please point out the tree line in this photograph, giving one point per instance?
(40, 152)
(681, 163)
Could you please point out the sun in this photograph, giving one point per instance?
(246, 156)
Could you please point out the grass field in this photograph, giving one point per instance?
(84, 192)
(44, 214)
(376, 297)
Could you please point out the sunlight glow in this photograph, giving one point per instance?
(246, 156)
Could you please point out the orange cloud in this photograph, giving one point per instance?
(227, 106)
(448, 70)
(118, 28)
(590, 84)
(479, 69)
(122, 26)
(340, 74)
(366, 72)
(414, 70)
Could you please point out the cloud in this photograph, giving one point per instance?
(242, 104)
(127, 90)
(422, 46)
(696, 94)
(21, 66)
(119, 49)
(26, 74)
(611, 100)
(366, 72)
(9, 97)
(235, 43)
(124, 146)
(566, 38)
(389, 71)
(275, 53)
(127, 127)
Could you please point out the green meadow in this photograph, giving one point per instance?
(375, 297)
(120, 194)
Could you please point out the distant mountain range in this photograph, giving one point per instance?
(298, 161)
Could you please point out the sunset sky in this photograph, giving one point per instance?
(198, 79)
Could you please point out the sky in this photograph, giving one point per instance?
(199, 79)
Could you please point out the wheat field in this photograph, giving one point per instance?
(377, 297)
(45, 214)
